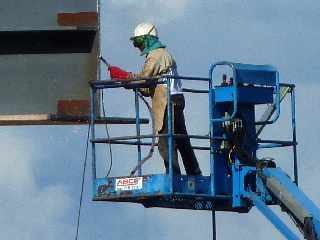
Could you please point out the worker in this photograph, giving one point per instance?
(158, 62)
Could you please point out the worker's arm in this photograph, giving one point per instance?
(150, 69)
(119, 74)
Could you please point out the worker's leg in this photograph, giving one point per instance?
(189, 159)
(163, 150)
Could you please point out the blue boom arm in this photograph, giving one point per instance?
(293, 201)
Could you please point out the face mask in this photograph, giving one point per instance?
(138, 41)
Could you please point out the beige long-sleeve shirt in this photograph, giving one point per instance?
(157, 62)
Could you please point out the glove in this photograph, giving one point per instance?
(118, 73)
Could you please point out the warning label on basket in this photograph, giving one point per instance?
(127, 184)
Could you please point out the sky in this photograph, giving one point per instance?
(41, 166)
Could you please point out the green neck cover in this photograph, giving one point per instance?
(151, 43)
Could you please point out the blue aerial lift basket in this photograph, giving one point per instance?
(252, 85)
(237, 180)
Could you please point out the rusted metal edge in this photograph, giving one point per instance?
(77, 19)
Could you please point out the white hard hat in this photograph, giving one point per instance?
(145, 29)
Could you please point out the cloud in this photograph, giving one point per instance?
(160, 11)
(27, 209)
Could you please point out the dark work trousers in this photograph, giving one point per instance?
(182, 144)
